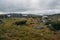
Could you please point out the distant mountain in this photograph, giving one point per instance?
(20, 15)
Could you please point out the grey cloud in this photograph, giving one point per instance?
(28, 5)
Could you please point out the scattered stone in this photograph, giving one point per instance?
(38, 27)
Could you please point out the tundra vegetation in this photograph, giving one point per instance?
(28, 29)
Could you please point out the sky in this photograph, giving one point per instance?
(30, 6)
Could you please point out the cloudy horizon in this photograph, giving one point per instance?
(30, 6)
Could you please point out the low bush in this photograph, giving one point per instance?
(20, 22)
(56, 26)
(53, 25)
(1, 22)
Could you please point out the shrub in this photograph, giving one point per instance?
(56, 26)
(1, 22)
(53, 26)
(20, 22)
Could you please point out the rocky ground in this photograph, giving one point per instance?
(31, 30)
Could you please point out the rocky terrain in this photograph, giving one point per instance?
(29, 27)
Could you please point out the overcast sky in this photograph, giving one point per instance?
(30, 6)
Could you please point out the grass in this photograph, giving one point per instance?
(9, 31)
